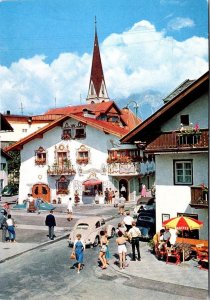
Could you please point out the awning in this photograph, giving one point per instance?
(91, 182)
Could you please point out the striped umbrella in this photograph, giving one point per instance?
(183, 223)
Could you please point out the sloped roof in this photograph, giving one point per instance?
(181, 100)
(178, 90)
(5, 125)
(100, 125)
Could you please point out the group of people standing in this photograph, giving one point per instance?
(126, 232)
(7, 225)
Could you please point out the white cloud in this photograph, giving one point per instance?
(179, 23)
(135, 61)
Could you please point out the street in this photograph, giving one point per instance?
(48, 272)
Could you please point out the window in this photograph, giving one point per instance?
(24, 130)
(62, 186)
(184, 119)
(40, 156)
(80, 133)
(3, 167)
(183, 172)
(82, 155)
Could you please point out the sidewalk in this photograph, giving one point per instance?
(186, 274)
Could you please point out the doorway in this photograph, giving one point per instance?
(123, 188)
(41, 191)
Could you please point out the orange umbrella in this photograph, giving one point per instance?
(183, 223)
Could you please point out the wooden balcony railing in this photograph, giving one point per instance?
(40, 162)
(176, 141)
(199, 197)
(132, 168)
(64, 169)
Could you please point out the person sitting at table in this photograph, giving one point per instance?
(166, 240)
(157, 239)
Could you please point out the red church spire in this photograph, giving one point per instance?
(97, 88)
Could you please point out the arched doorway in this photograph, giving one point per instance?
(123, 188)
(41, 191)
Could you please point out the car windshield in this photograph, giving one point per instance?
(82, 226)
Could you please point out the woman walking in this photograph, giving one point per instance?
(78, 249)
(122, 250)
(11, 228)
(103, 250)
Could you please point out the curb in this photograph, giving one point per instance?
(44, 244)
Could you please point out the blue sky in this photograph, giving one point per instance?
(148, 47)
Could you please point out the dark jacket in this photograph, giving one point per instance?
(50, 220)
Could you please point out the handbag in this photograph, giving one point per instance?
(73, 256)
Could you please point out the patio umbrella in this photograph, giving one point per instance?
(182, 223)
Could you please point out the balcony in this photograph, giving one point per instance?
(128, 169)
(82, 160)
(177, 141)
(40, 162)
(64, 169)
(62, 191)
(199, 197)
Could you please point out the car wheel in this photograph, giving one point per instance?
(112, 232)
(96, 241)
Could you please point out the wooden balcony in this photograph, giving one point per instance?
(176, 141)
(65, 169)
(40, 162)
(127, 169)
(199, 197)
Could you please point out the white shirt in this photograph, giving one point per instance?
(83, 243)
(128, 220)
(31, 199)
(69, 206)
(10, 222)
(134, 232)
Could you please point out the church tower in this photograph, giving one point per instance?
(97, 92)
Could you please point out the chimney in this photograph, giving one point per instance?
(8, 112)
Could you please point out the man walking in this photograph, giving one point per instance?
(134, 234)
(50, 222)
(128, 221)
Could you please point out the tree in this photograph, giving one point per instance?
(14, 166)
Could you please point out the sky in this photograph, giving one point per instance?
(148, 48)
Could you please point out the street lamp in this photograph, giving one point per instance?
(136, 106)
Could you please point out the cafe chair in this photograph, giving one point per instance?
(172, 256)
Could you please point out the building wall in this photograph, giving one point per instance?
(31, 174)
(198, 113)
(18, 132)
(3, 173)
(172, 199)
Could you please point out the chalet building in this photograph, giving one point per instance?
(4, 157)
(178, 136)
(78, 151)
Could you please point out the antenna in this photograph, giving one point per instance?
(80, 98)
(21, 108)
(55, 102)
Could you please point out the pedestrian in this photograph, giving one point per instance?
(11, 228)
(3, 224)
(134, 234)
(143, 190)
(107, 255)
(120, 227)
(128, 221)
(69, 210)
(116, 199)
(122, 250)
(121, 205)
(102, 253)
(110, 196)
(78, 249)
(106, 195)
(51, 223)
(37, 203)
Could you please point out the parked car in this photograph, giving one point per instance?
(144, 203)
(146, 222)
(43, 206)
(10, 190)
(90, 229)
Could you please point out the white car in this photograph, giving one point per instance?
(90, 228)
